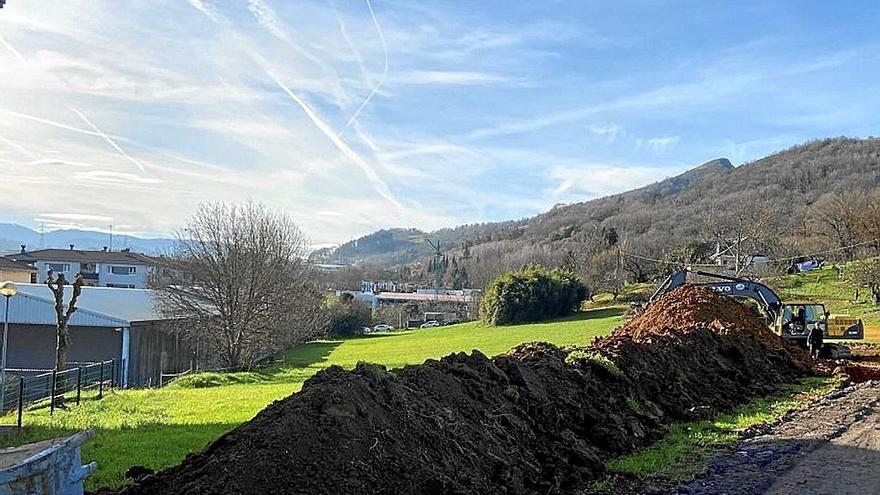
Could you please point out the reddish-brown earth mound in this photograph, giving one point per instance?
(537, 420)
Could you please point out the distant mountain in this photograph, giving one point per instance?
(12, 236)
(654, 217)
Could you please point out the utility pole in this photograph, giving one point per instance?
(437, 265)
(7, 290)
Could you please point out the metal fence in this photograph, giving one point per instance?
(23, 391)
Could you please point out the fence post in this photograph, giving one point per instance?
(52, 392)
(101, 382)
(79, 378)
(20, 399)
(112, 373)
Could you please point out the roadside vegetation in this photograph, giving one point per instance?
(685, 450)
(156, 428)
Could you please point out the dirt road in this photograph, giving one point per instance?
(830, 447)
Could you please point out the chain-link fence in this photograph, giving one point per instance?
(22, 391)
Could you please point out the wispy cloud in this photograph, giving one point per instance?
(463, 78)
(378, 183)
(382, 78)
(658, 144)
(609, 131)
(109, 141)
(12, 50)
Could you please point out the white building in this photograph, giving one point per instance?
(121, 269)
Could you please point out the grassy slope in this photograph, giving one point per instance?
(158, 427)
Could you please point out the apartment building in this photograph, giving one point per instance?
(105, 268)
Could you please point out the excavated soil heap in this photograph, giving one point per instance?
(537, 420)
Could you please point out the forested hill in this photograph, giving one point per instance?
(657, 216)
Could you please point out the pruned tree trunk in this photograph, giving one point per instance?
(62, 334)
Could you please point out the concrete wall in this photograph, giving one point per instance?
(33, 346)
(17, 276)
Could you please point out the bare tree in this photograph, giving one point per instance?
(836, 218)
(867, 274)
(743, 230)
(241, 271)
(62, 315)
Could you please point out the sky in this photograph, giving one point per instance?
(356, 115)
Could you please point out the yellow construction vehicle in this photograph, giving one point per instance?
(789, 320)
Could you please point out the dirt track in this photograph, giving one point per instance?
(829, 447)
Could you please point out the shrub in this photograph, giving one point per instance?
(348, 317)
(208, 379)
(531, 294)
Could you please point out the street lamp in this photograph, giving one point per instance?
(7, 290)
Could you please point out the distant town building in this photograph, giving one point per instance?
(16, 271)
(105, 268)
(376, 298)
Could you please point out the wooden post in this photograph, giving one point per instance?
(101, 382)
(52, 392)
(79, 378)
(20, 399)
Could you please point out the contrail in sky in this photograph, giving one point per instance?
(12, 50)
(110, 141)
(18, 147)
(325, 128)
(384, 71)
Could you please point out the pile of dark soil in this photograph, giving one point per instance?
(537, 420)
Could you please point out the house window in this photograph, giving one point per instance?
(123, 270)
(59, 267)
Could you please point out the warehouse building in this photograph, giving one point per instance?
(110, 323)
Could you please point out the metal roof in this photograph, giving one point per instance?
(8, 264)
(96, 307)
(78, 256)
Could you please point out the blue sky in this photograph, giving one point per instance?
(354, 115)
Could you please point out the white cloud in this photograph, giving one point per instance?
(461, 78)
(609, 131)
(595, 180)
(658, 144)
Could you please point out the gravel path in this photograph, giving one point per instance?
(829, 447)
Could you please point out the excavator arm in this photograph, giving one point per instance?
(731, 286)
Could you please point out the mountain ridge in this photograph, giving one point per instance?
(655, 217)
(13, 236)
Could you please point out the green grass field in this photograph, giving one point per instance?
(158, 427)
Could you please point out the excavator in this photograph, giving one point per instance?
(790, 320)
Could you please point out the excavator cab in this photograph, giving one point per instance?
(798, 318)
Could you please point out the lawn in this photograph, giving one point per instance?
(158, 427)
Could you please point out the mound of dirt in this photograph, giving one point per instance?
(538, 419)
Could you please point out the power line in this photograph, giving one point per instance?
(776, 260)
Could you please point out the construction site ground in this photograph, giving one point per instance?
(831, 446)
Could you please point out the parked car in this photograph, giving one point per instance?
(383, 328)
(430, 324)
(366, 330)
